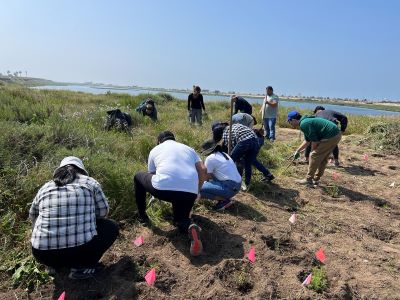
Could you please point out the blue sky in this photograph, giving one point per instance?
(321, 48)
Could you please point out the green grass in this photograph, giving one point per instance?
(319, 280)
(40, 127)
(332, 190)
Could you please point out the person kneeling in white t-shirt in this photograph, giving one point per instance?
(175, 173)
(224, 180)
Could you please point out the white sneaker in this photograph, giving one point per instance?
(244, 187)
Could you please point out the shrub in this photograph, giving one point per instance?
(385, 136)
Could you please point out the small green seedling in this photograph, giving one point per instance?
(319, 280)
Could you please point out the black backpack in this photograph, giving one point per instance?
(118, 120)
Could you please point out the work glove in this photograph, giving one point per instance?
(296, 155)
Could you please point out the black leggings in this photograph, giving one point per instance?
(335, 152)
(182, 202)
(86, 255)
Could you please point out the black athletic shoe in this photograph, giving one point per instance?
(268, 178)
(143, 220)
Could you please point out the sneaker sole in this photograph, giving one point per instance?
(196, 248)
(79, 277)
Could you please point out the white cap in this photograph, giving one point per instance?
(72, 160)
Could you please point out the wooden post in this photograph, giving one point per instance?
(230, 130)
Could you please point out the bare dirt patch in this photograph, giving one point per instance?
(359, 231)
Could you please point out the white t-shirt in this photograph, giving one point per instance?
(271, 111)
(174, 165)
(221, 168)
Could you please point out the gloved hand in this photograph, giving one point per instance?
(296, 155)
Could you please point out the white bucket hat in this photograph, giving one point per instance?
(72, 160)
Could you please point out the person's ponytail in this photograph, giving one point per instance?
(65, 175)
(219, 149)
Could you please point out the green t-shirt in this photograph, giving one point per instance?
(316, 129)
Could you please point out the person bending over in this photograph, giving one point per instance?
(323, 135)
(335, 117)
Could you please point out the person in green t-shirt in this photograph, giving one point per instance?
(323, 135)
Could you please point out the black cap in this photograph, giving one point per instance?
(318, 108)
(216, 124)
(164, 136)
(208, 147)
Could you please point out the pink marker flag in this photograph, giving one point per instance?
(365, 157)
(252, 255)
(335, 176)
(292, 218)
(150, 277)
(307, 281)
(139, 241)
(320, 255)
(62, 296)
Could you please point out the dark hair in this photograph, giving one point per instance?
(259, 132)
(197, 89)
(318, 108)
(270, 88)
(298, 117)
(65, 175)
(219, 149)
(254, 120)
(150, 101)
(218, 131)
(164, 136)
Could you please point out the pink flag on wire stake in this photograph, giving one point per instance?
(62, 296)
(150, 277)
(252, 255)
(320, 255)
(293, 218)
(307, 281)
(365, 157)
(139, 241)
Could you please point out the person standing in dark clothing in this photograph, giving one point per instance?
(241, 105)
(335, 117)
(195, 104)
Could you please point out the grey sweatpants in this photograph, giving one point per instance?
(196, 116)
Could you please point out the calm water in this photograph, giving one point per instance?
(352, 110)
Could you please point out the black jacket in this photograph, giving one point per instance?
(334, 116)
(242, 105)
(197, 103)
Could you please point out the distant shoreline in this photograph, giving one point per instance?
(387, 106)
(32, 82)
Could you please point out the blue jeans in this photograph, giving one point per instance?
(216, 188)
(269, 125)
(259, 166)
(248, 150)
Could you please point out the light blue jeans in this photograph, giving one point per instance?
(269, 125)
(216, 188)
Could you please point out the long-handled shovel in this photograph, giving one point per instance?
(230, 130)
